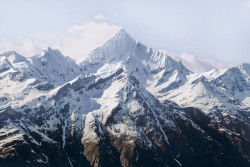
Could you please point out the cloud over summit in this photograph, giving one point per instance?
(76, 43)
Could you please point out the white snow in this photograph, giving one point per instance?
(89, 108)
(246, 101)
(213, 74)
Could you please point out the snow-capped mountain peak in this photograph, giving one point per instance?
(122, 51)
(121, 46)
(55, 66)
(52, 56)
(213, 74)
(13, 57)
(11, 61)
(114, 109)
(245, 68)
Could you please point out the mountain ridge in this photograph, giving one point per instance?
(125, 105)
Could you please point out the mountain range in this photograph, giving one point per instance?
(125, 104)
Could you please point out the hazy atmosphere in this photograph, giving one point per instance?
(216, 30)
(114, 83)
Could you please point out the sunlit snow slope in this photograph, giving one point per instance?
(126, 104)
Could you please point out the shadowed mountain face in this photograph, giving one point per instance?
(125, 105)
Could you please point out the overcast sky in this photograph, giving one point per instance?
(214, 29)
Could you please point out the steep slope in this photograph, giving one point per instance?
(22, 79)
(12, 62)
(168, 79)
(215, 73)
(14, 77)
(55, 67)
(14, 58)
(236, 82)
(125, 105)
(161, 74)
(110, 121)
(199, 92)
(157, 71)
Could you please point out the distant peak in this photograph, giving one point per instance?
(245, 65)
(51, 52)
(12, 52)
(49, 49)
(14, 57)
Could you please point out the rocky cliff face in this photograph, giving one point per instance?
(125, 105)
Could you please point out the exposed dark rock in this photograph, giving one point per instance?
(45, 86)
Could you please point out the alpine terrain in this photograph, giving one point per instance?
(127, 105)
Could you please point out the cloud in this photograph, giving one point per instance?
(76, 43)
(196, 64)
(100, 17)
